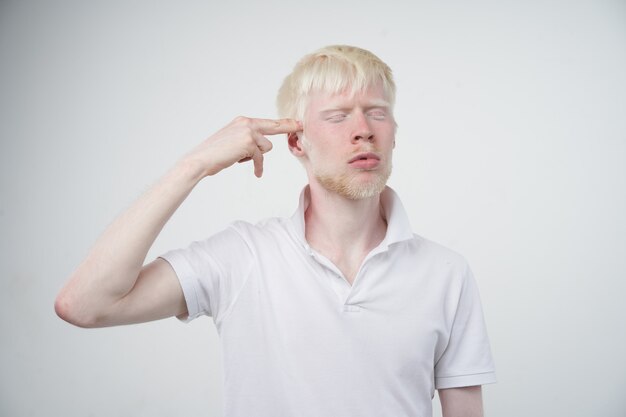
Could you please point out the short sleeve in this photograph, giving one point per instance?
(467, 359)
(212, 272)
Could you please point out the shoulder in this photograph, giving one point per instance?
(265, 227)
(264, 232)
(436, 263)
(436, 252)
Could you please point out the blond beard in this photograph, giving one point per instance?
(348, 185)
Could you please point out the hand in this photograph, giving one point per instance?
(241, 140)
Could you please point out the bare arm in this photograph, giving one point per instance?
(111, 286)
(461, 402)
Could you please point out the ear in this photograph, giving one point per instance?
(295, 146)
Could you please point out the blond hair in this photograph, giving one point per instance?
(332, 69)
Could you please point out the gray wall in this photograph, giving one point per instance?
(511, 149)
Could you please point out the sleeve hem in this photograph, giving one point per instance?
(465, 380)
(185, 277)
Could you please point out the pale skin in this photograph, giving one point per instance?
(112, 286)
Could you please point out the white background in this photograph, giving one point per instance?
(511, 149)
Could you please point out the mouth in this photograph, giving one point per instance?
(366, 160)
(364, 157)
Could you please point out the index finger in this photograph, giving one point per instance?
(277, 126)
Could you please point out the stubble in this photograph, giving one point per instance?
(349, 185)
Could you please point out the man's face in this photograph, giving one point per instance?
(348, 142)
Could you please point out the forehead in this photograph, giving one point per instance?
(370, 96)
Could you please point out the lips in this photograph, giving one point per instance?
(366, 160)
(364, 156)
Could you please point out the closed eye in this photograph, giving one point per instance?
(337, 117)
(377, 114)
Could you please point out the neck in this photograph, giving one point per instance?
(342, 229)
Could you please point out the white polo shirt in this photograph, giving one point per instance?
(299, 340)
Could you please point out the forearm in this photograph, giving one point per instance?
(112, 266)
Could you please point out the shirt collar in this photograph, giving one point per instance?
(398, 226)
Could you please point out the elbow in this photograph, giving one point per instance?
(68, 310)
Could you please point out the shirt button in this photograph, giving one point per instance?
(351, 308)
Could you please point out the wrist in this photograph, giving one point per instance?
(190, 170)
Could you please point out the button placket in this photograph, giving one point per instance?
(350, 308)
(338, 284)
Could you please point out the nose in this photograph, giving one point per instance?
(362, 130)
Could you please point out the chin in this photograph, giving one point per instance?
(354, 188)
(360, 193)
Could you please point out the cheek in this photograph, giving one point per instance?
(387, 134)
(319, 135)
(314, 129)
